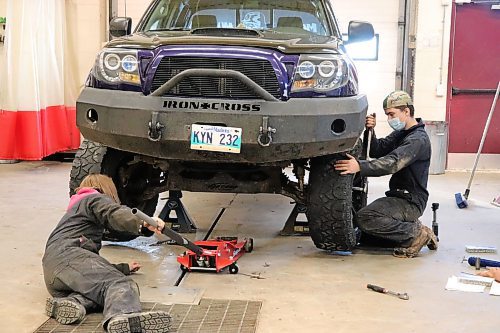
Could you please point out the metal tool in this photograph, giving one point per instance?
(369, 139)
(389, 292)
(480, 249)
(460, 199)
(435, 227)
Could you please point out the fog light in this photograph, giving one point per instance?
(338, 126)
(92, 116)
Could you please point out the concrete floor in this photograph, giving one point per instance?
(302, 288)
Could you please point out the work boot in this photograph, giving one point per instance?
(65, 310)
(141, 322)
(425, 237)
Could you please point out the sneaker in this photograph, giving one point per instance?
(65, 310)
(425, 237)
(142, 322)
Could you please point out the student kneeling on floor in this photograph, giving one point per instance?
(79, 279)
(405, 154)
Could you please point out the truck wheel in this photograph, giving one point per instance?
(329, 210)
(93, 157)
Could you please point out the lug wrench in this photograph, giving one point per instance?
(386, 291)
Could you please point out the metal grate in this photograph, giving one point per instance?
(259, 71)
(210, 316)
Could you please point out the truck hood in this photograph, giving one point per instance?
(285, 43)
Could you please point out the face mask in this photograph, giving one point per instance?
(396, 124)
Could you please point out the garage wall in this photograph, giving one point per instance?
(87, 28)
(377, 78)
(133, 9)
(431, 68)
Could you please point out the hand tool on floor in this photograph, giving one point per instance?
(480, 249)
(460, 199)
(209, 255)
(435, 227)
(389, 292)
(479, 262)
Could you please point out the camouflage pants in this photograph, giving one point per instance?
(390, 219)
(94, 282)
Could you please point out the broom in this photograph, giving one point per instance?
(460, 199)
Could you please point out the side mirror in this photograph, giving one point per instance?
(360, 31)
(120, 26)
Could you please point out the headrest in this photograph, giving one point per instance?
(290, 22)
(204, 21)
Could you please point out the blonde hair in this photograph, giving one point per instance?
(101, 183)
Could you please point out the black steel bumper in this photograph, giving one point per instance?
(161, 126)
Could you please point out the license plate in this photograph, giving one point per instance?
(216, 138)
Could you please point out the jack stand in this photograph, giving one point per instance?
(182, 222)
(294, 227)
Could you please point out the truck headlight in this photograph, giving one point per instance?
(117, 66)
(320, 72)
(306, 70)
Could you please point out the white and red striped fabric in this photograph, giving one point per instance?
(37, 90)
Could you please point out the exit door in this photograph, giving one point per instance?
(474, 73)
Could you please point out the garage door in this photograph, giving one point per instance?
(473, 77)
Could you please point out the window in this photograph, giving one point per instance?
(296, 17)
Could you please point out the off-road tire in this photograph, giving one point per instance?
(88, 160)
(329, 210)
(93, 158)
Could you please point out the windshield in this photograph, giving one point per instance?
(292, 16)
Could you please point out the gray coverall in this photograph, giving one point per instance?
(72, 265)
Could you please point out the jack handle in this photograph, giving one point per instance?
(169, 233)
(368, 140)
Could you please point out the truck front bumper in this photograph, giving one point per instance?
(161, 126)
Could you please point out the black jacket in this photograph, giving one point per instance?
(406, 154)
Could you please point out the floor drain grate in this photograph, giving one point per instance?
(210, 316)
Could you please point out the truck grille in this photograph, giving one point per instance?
(260, 71)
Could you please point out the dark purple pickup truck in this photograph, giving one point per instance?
(222, 96)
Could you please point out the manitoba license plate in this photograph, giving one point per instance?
(216, 138)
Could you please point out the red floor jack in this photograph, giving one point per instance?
(208, 255)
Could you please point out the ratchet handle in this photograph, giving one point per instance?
(376, 288)
(169, 232)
